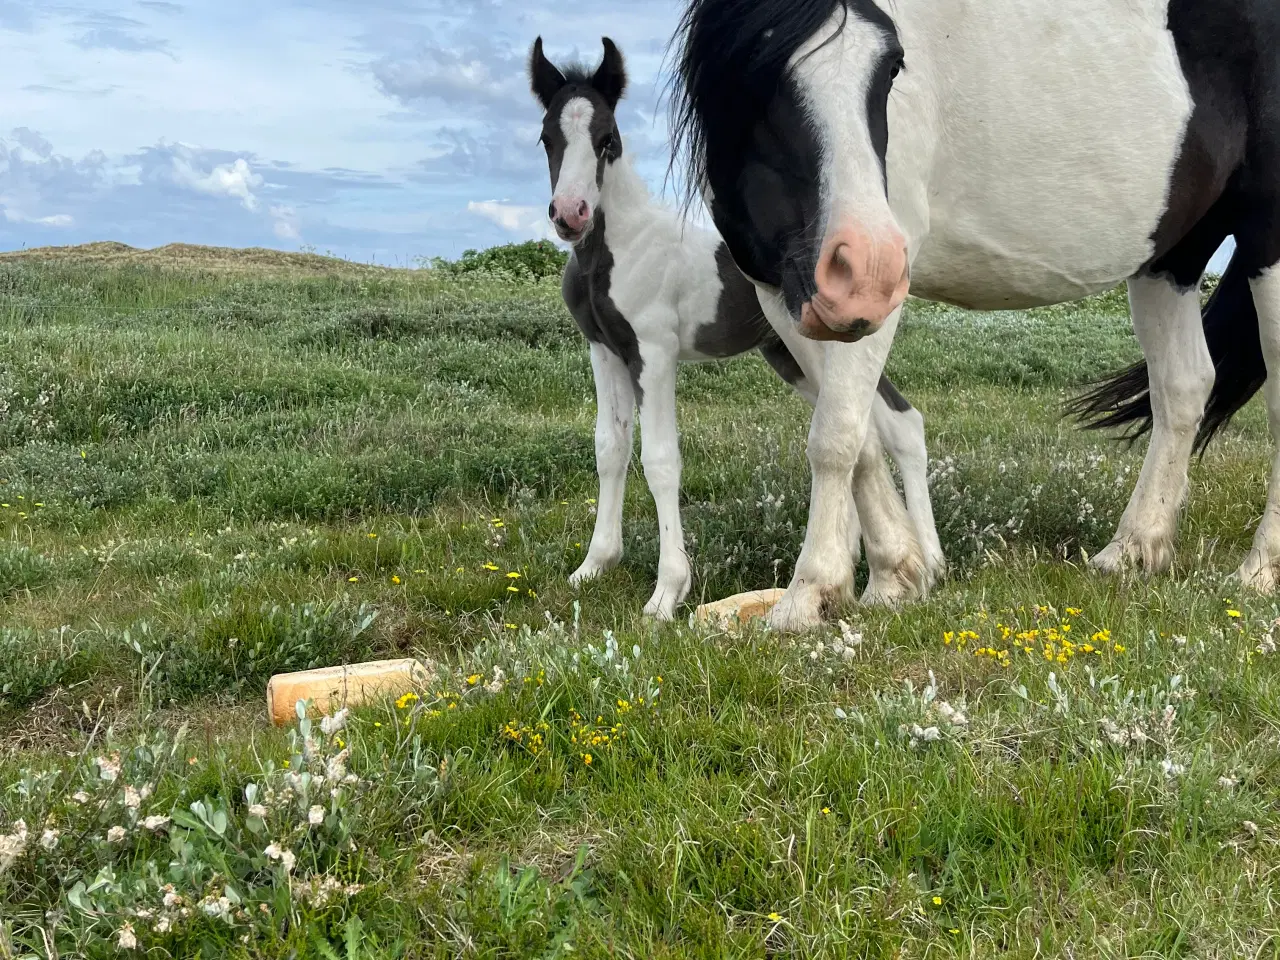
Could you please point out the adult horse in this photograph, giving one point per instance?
(1002, 154)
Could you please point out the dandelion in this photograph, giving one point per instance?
(491, 567)
(513, 576)
(513, 589)
(315, 816)
(1234, 614)
(115, 835)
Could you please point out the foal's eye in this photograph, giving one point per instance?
(897, 69)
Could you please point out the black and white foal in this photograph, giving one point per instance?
(650, 291)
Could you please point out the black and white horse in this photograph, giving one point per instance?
(1002, 154)
(649, 292)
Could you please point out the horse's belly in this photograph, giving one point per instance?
(1058, 151)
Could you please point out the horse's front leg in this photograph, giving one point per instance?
(615, 421)
(824, 574)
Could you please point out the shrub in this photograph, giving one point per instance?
(534, 259)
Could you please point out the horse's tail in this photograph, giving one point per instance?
(1231, 331)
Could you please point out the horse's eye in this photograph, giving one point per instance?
(897, 69)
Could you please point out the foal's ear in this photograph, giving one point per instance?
(544, 77)
(610, 80)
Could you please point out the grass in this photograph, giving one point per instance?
(214, 468)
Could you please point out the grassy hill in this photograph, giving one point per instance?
(216, 465)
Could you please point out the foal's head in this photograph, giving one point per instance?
(579, 132)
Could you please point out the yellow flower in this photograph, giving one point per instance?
(377, 725)
(395, 580)
(586, 758)
(1121, 649)
(491, 567)
(775, 917)
(513, 576)
(955, 929)
(1233, 614)
(512, 626)
(407, 699)
(513, 589)
(353, 579)
(1074, 611)
(937, 901)
(373, 536)
(826, 811)
(460, 570)
(474, 679)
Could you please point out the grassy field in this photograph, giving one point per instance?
(217, 467)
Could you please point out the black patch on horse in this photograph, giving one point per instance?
(889, 393)
(739, 325)
(737, 116)
(586, 284)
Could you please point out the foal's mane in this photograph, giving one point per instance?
(732, 57)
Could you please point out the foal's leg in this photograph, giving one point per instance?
(1259, 569)
(660, 454)
(841, 421)
(902, 433)
(615, 420)
(1168, 323)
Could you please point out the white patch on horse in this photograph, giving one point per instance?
(578, 170)
(1072, 158)
(1259, 568)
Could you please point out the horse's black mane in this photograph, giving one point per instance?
(732, 58)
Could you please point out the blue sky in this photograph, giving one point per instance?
(373, 129)
(378, 130)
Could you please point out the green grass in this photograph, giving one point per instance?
(212, 475)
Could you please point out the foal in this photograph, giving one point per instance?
(650, 291)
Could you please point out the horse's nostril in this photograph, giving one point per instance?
(584, 210)
(551, 211)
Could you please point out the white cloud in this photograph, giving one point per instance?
(523, 221)
(236, 180)
(16, 216)
(285, 223)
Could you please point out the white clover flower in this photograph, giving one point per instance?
(154, 823)
(116, 835)
(273, 851)
(108, 767)
(331, 725)
(13, 844)
(125, 938)
(1250, 828)
(1228, 783)
(258, 810)
(49, 839)
(315, 816)
(288, 859)
(1172, 769)
(132, 798)
(336, 768)
(80, 797)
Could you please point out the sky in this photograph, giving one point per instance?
(378, 130)
(382, 131)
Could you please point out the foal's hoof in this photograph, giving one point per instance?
(1258, 573)
(591, 570)
(908, 581)
(670, 593)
